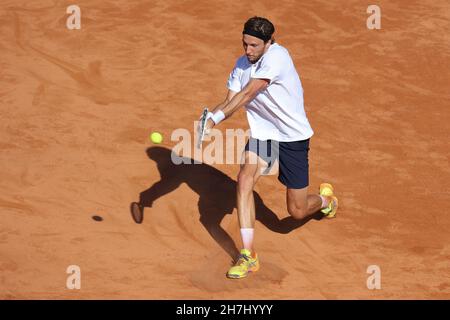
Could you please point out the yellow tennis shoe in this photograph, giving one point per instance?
(327, 190)
(245, 264)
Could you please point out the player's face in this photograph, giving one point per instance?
(254, 47)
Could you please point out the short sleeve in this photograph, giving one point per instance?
(234, 82)
(268, 68)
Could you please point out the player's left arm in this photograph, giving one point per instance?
(243, 97)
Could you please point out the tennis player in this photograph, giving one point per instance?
(264, 81)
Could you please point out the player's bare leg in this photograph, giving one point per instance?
(302, 205)
(251, 169)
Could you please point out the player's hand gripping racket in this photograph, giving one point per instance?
(202, 127)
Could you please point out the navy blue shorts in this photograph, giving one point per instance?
(292, 157)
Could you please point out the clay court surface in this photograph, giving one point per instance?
(77, 108)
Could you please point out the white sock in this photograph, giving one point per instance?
(325, 202)
(247, 237)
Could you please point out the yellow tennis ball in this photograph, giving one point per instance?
(156, 137)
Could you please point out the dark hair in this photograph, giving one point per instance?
(261, 26)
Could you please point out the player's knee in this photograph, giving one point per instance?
(296, 212)
(245, 182)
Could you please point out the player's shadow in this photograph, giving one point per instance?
(217, 196)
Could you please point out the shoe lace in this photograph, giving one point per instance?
(242, 259)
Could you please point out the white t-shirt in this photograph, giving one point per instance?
(276, 113)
